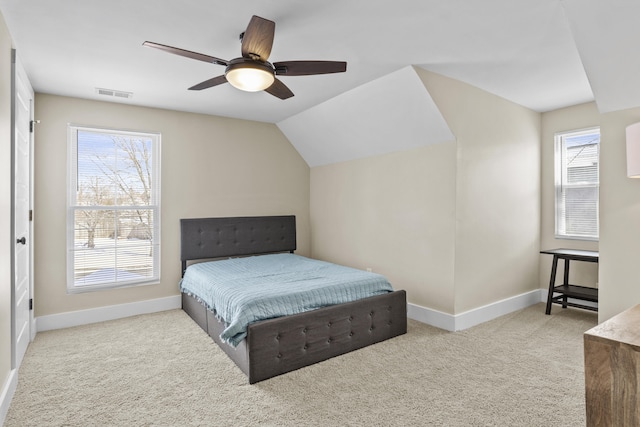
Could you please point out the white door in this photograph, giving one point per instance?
(22, 173)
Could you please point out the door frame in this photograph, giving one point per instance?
(32, 132)
(16, 68)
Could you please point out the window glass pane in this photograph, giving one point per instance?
(582, 203)
(114, 169)
(101, 257)
(94, 265)
(578, 174)
(94, 227)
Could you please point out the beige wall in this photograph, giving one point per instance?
(243, 168)
(497, 192)
(394, 214)
(447, 222)
(619, 219)
(5, 204)
(566, 119)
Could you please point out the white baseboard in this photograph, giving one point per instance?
(101, 314)
(459, 322)
(431, 317)
(6, 394)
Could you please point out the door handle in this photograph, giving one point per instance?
(22, 240)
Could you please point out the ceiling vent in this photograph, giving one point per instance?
(112, 92)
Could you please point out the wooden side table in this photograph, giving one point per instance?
(612, 371)
(565, 290)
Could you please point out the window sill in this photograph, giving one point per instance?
(109, 286)
(588, 239)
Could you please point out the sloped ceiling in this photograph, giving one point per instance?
(607, 36)
(392, 113)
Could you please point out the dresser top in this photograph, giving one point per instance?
(623, 328)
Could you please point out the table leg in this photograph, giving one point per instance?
(566, 281)
(552, 283)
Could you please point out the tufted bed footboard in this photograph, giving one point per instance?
(276, 346)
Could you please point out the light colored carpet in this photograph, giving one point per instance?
(523, 369)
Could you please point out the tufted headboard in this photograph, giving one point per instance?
(206, 238)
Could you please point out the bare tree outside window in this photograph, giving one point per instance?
(90, 220)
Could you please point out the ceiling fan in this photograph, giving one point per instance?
(252, 72)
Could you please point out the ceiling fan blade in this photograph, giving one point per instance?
(187, 53)
(279, 90)
(258, 38)
(210, 83)
(307, 68)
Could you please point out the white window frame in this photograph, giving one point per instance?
(72, 206)
(561, 184)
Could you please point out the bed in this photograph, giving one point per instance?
(278, 345)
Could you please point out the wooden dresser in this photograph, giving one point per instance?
(612, 371)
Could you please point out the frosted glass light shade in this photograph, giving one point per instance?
(249, 76)
(633, 150)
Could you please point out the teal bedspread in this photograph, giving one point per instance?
(246, 290)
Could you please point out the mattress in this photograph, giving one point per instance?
(241, 291)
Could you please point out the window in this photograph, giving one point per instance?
(113, 209)
(577, 184)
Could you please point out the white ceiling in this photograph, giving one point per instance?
(607, 34)
(521, 50)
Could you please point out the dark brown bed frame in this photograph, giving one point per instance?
(276, 346)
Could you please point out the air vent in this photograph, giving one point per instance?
(112, 92)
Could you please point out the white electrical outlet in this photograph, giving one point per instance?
(369, 269)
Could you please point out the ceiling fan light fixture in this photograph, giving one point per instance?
(253, 72)
(249, 75)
